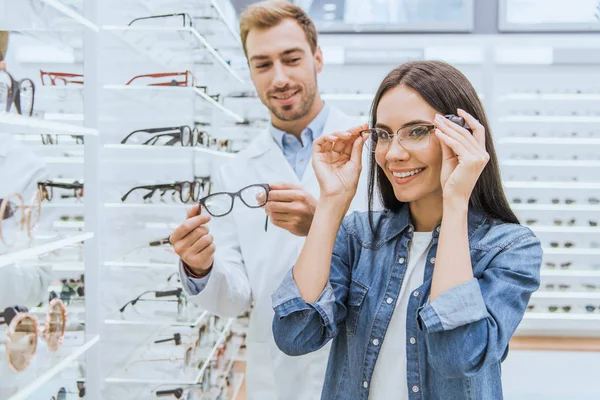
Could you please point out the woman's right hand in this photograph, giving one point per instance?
(337, 161)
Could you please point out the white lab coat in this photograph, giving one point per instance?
(20, 170)
(251, 263)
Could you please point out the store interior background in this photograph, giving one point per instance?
(536, 65)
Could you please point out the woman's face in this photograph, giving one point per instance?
(414, 173)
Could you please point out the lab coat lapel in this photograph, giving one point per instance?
(269, 161)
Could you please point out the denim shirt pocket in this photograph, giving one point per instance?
(356, 297)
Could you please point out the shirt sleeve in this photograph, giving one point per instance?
(191, 285)
(467, 328)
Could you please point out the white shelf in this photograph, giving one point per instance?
(560, 323)
(161, 30)
(151, 265)
(30, 252)
(154, 322)
(549, 140)
(570, 273)
(214, 152)
(179, 90)
(552, 163)
(149, 206)
(198, 376)
(63, 160)
(555, 207)
(565, 229)
(565, 295)
(552, 119)
(37, 123)
(76, 17)
(571, 252)
(549, 97)
(551, 185)
(75, 353)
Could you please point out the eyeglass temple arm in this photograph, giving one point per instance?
(132, 302)
(175, 392)
(148, 187)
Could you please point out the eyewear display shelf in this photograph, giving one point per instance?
(69, 365)
(160, 65)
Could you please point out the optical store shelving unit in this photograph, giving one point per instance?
(113, 353)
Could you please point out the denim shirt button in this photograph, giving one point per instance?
(389, 300)
(401, 260)
(416, 293)
(413, 340)
(365, 384)
(437, 229)
(376, 342)
(432, 260)
(415, 389)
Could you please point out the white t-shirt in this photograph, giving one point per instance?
(389, 376)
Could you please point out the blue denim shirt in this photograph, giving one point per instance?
(454, 345)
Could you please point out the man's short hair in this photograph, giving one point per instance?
(270, 13)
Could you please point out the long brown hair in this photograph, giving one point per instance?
(445, 89)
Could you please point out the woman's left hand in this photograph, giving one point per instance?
(463, 156)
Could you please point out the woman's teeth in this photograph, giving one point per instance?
(407, 174)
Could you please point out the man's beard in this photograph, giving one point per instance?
(304, 104)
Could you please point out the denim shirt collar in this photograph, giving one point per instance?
(396, 221)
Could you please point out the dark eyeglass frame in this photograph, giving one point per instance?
(46, 194)
(50, 139)
(238, 194)
(195, 186)
(183, 15)
(13, 95)
(159, 294)
(196, 136)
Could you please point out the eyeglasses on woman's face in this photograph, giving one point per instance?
(412, 137)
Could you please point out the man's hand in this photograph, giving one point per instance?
(291, 208)
(193, 243)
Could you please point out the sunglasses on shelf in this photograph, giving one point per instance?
(46, 189)
(185, 18)
(564, 265)
(22, 334)
(18, 93)
(186, 190)
(16, 217)
(60, 78)
(566, 245)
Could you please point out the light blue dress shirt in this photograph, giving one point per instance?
(297, 154)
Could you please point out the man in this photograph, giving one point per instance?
(243, 265)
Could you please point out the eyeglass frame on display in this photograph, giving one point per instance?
(181, 298)
(49, 195)
(53, 76)
(177, 187)
(14, 96)
(48, 140)
(184, 15)
(196, 136)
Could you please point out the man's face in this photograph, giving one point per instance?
(284, 69)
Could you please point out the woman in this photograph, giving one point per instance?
(422, 298)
